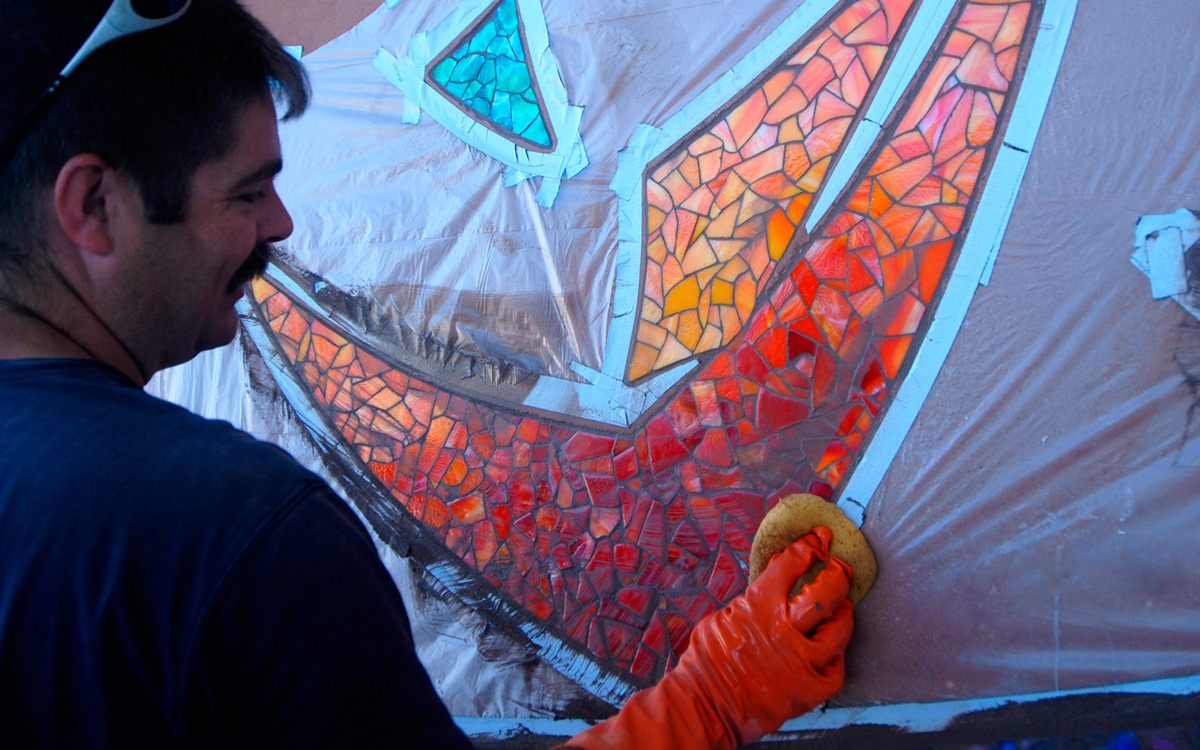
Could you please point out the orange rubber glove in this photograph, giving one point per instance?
(749, 667)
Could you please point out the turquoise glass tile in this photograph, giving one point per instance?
(488, 73)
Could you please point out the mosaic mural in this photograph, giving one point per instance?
(617, 542)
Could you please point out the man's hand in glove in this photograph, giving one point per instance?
(749, 667)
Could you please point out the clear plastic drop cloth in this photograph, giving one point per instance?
(1036, 530)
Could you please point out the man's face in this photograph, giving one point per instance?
(185, 278)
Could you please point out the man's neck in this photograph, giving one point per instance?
(26, 333)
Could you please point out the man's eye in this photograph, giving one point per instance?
(252, 197)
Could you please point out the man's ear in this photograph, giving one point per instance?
(84, 195)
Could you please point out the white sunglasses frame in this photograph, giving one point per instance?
(120, 20)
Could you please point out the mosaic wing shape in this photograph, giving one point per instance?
(723, 207)
(605, 546)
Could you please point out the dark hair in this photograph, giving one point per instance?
(155, 104)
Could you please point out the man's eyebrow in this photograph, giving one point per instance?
(265, 172)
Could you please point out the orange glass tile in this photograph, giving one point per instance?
(866, 301)
(979, 68)
(786, 106)
(899, 180)
(873, 31)
(928, 228)
(856, 84)
(1006, 62)
(933, 263)
(899, 221)
(853, 18)
(968, 173)
(872, 56)
(745, 119)
(1013, 28)
(982, 21)
(959, 43)
(780, 231)
(950, 216)
(895, 11)
(930, 89)
(838, 54)
(830, 106)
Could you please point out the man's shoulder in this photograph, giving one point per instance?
(86, 401)
(87, 439)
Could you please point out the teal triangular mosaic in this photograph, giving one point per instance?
(486, 72)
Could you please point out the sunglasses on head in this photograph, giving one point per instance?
(124, 17)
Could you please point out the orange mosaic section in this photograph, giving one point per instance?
(864, 287)
(722, 209)
(444, 459)
(620, 543)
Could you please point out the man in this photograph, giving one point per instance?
(167, 580)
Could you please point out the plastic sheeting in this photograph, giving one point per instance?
(1037, 525)
(1034, 530)
(475, 264)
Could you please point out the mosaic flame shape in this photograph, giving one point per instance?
(723, 208)
(612, 544)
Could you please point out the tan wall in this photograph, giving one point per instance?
(310, 23)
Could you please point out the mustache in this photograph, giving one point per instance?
(253, 266)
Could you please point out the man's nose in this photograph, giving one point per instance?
(277, 223)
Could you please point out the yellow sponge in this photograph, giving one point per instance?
(795, 516)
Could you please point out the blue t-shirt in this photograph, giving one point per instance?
(167, 581)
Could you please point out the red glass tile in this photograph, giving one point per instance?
(468, 509)
(823, 374)
(832, 312)
(436, 512)
(640, 600)
(486, 544)
(645, 663)
(892, 352)
(679, 630)
(727, 578)
(735, 538)
(714, 449)
(828, 258)
(776, 412)
(502, 520)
